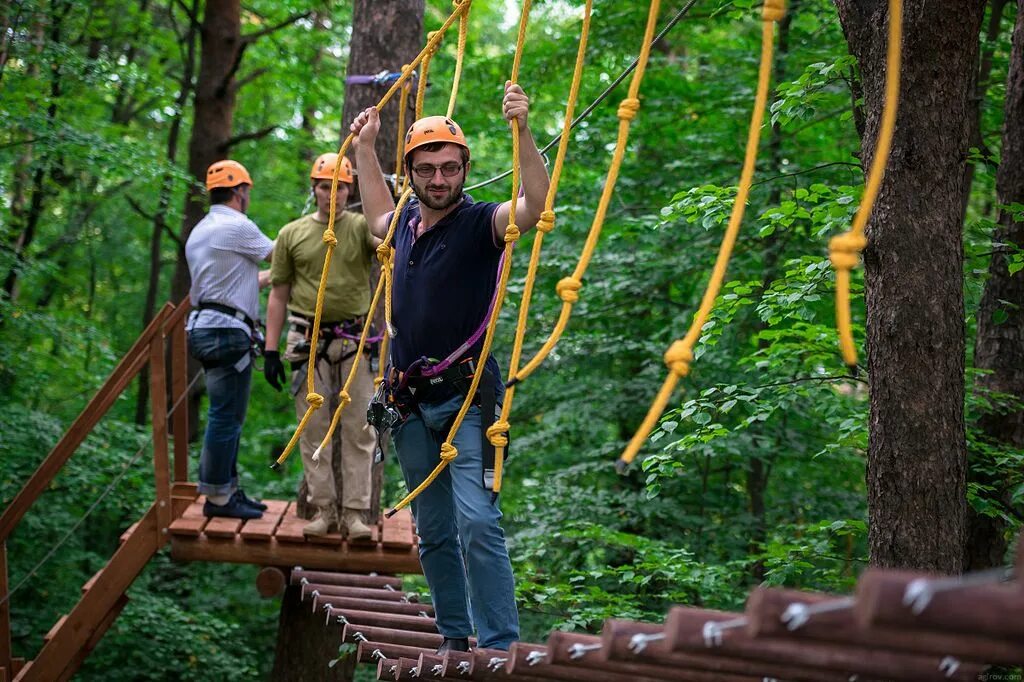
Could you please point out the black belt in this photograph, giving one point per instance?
(228, 310)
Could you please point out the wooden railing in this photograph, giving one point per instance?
(150, 348)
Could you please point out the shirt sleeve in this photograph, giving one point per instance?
(282, 268)
(486, 211)
(247, 240)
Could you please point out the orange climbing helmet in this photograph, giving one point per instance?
(323, 168)
(226, 173)
(433, 129)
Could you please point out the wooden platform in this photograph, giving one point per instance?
(277, 540)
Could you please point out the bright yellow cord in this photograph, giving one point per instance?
(680, 353)
(459, 56)
(448, 450)
(497, 431)
(844, 249)
(568, 288)
(314, 399)
(403, 104)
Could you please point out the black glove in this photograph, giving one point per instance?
(273, 370)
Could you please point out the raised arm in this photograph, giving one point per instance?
(516, 105)
(377, 199)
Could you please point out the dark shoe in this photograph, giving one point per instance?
(453, 644)
(255, 504)
(234, 509)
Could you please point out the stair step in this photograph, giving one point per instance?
(92, 581)
(131, 529)
(56, 626)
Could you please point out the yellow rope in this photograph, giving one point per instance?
(568, 288)
(680, 354)
(844, 249)
(448, 450)
(459, 55)
(403, 104)
(497, 431)
(314, 399)
(421, 84)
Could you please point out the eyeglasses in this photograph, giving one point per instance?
(448, 170)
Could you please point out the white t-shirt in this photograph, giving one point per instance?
(224, 252)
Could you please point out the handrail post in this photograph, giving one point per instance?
(6, 653)
(179, 387)
(161, 465)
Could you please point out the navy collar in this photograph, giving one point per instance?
(414, 214)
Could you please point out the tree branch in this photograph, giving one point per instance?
(249, 78)
(245, 137)
(138, 209)
(253, 37)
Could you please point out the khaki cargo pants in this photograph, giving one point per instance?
(358, 438)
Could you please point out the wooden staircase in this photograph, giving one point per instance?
(174, 518)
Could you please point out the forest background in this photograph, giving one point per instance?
(756, 474)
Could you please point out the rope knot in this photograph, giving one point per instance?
(344, 397)
(844, 250)
(628, 108)
(568, 289)
(448, 452)
(383, 253)
(511, 233)
(315, 400)
(546, 222)
(678, 358)
(330, 239)
(773, 10)
(496, 433)
(435, 46)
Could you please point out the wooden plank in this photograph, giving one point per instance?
(95, 576)
(278, 553)
(261, 530)
(299, 575)
(290, 528)
(101, 630)
(192, 521)
(332, 539)
(130, 365)
(184, 489)
(398, 531)
(161, 463)
(179, 403)
(127, 532)
(89, 613)
(55, 627)
(219, 527)
(6, 652)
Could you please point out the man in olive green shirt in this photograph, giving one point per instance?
(295, 279)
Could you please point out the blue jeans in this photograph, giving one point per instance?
(221, 350)
(457, 523)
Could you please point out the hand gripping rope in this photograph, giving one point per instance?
(449, 451)
(844, 249)
(496, 432)
(680, 353)
(314, 399)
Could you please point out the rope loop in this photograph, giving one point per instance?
(330, 239)
(496, 433)
(844, 249)
(568, 289)
(511, 233)
(448, 452)
(314, 400)
(384, 253)
(628, 108)
(434, 47)
(773, 10)
(546, 222)
(678, 358)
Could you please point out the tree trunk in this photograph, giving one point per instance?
(917, 459)
(305, 647)
(999, 346)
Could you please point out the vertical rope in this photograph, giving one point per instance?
(496, 432)
(403, 104)
(448, 450)
(680, 354)
(459, 55)
(568, 288)
(844, 249)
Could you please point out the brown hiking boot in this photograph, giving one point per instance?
(325, 521)
(354, 526)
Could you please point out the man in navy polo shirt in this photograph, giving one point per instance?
(447, 251)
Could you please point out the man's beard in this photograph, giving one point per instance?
(423, 194)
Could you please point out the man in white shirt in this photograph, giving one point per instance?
(224, 252)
